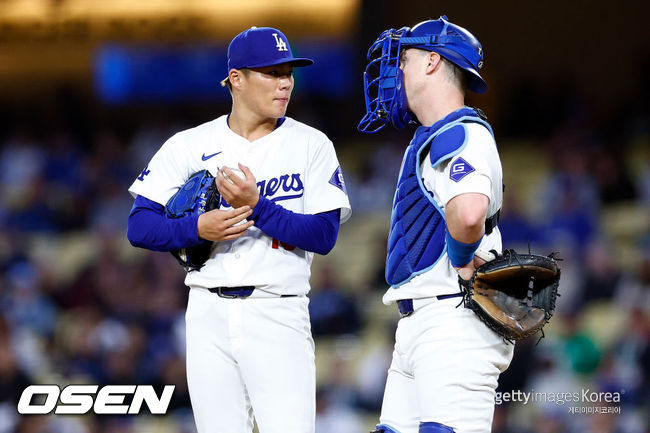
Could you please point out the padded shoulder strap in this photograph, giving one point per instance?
(451, 139)
(447, 143)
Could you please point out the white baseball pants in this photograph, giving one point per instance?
(250, 357)
(445, 368)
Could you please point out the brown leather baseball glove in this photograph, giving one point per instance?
(514, 294)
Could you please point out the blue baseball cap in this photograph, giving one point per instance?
(258, 47)
(452, 42)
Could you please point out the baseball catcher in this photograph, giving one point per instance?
(198, 195)
(446, 207)
(513, 294)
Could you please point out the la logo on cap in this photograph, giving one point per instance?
(279, 43)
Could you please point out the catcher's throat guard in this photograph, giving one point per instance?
(514, 294)
(197, 196)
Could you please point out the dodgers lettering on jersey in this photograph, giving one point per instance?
(289, 183)
(284, 187)
(293, 167)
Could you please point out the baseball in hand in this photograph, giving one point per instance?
(237, 171)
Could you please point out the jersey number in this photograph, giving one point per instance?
(276, 245)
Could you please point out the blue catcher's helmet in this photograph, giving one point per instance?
(383, 84)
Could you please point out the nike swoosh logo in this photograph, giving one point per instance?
(205, 158)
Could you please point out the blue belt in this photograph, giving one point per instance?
(238, 292)
(405, 306)
(233, 292)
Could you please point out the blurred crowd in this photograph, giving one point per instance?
(78, 304)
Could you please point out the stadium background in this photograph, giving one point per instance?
(89, 90)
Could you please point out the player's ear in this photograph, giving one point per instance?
(433, 61)
(235, 78)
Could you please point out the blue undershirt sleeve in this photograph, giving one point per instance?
(316, 233)
(149, 228)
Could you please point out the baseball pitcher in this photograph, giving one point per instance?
(248, 243)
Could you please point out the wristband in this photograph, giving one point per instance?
(460, 253)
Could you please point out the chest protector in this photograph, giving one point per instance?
(417, 227)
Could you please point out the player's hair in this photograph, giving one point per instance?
(226, 81)
(456, 75)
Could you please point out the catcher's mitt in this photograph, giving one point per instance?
(514, 294)
(198, 195)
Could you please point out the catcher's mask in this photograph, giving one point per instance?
(383, 80)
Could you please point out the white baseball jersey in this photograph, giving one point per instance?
(253, 354)
(295, 166)
(486, 178)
